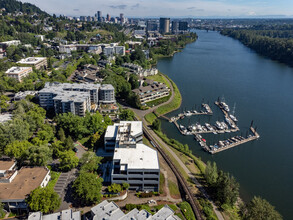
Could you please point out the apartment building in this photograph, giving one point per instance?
(18, 72)
(75, 98)
(152, 92)
(37, 62)
(114, 50)
(138, 70)
(133, 162)
(70, 101)
(107, 94)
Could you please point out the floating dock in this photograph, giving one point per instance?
(211, 149)
(206, 129)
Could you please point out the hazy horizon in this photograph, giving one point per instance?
(172, 8)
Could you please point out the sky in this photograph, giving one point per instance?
(170, 8)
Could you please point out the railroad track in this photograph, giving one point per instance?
(180, 178)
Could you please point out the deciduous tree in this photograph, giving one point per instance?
(43, 199)
(87, 188)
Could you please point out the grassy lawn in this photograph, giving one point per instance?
(187, 211)
(158, 101)
(150, 117)
(162, 183)
(173, 188)
(176, 102)
(159, 78)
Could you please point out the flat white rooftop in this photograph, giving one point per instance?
(31, 60)
(141, 157)
(135, 128)
(17, 70)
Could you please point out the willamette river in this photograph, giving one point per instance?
(218, 66)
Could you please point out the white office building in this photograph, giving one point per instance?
(133, 162)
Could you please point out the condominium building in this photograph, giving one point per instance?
(37, 62)
(133, 162)
(75, 98)
(107, 94)
(120, 50)
(108, 51)
(70, 101)
(111, 211)
(114, 50)
(18, 72)
(15, 185)
(152, 92)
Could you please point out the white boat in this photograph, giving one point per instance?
(224, 106)
(233, 118)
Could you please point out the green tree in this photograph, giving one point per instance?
(227, 189)
(90, 162)
(68, 143)
(68, 160)
(39, 155)
(94, 139)
(43, 199)
(126, 115)
(87, 188)
(114, 188)
(61, 135)
(133, 80)
(17, 149)
(261, 209)
(3, 103)
(125, 185)
(211, 173)
(2, 212)
(156, 125)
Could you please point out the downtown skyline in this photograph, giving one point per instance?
(171, 8)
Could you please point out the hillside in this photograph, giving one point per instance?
(13, 6)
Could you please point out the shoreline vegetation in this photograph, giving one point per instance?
(273, 42)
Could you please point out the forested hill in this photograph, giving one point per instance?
(274, 42)
(13, 6)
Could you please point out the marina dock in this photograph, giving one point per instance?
(218, 128)
(227, 144)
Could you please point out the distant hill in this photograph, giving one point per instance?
(13, 6)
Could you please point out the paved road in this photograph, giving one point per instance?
(141, 114)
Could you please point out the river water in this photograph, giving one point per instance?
(261, 90)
